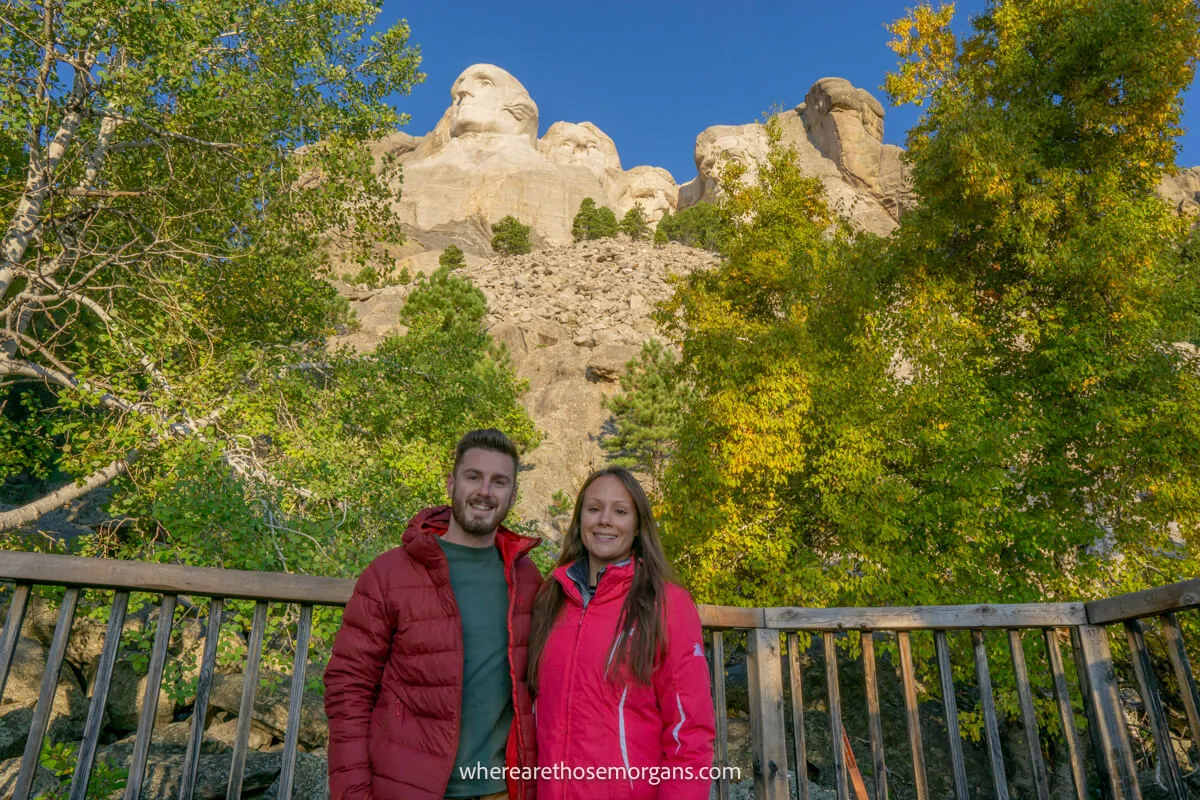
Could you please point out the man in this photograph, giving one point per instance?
(426, 691)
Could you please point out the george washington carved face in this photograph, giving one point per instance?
(487, 99)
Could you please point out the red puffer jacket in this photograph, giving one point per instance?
(393, 686)
(620, 738)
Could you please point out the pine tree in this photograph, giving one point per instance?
(510, 237)
(634, 224)
(452, 258)
(593, 222)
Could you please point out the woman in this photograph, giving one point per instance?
(623, 704)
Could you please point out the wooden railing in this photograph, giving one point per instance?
(772, 705)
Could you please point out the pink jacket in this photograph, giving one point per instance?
(659, 737)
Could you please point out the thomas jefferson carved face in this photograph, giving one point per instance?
(487, 99)
(583, 144)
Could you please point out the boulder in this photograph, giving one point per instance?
(44, 782)
(69, 708)
(271, 706)
(310, 780)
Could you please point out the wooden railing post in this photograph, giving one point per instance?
(1110, 740)
(765, 673)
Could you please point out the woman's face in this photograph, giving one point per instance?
(607, 521)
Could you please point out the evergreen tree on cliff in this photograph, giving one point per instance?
(510, 236)
(593, 222)
(634, 224)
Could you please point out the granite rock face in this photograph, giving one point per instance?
(571, 318)
(1182, 191)
(483, 161)
(837, 134)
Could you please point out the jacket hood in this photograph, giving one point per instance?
(420, 537)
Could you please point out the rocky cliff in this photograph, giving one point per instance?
(483, 160)
(571, 317)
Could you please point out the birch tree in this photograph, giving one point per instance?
(169, 173)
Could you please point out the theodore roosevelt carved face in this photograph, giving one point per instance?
(487, 99)
(654, 188)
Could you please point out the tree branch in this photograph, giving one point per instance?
(23, 515)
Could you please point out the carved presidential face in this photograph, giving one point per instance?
(724, 144)
(654, 188)
(487, 99)
(583, 145)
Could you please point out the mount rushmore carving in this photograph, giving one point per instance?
(483, 160)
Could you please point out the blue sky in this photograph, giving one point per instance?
(653, 74)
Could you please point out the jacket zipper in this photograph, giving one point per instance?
(574, 664)
(511, 577)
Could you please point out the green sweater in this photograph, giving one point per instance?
(477, 577)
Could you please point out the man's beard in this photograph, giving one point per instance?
(475, 522)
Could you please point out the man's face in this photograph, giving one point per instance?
(481, 102)
(482, 490)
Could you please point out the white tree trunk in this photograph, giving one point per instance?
(23, 515)
(39, 184)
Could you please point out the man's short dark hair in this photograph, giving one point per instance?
(485, 439)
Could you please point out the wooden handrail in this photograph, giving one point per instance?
(1159, 600)
(135, 576)
(910, 618)
(765, 628)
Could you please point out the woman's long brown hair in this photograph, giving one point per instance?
(643, 610)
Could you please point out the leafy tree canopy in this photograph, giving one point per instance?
(700, 226)
(991, 405)
(174, 181)
(169, 173)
